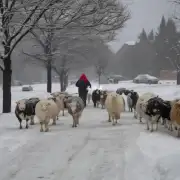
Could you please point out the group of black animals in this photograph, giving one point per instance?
(132, 97)
(99, 97)
(156, 106)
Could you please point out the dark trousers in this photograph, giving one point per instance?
(83, 96)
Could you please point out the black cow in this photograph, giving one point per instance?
(157, 106)
(25, 110)
(96, 95)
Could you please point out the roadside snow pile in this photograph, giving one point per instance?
(163, 152)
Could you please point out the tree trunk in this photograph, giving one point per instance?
(99, 79)
(61, 78)
(65, 82)
(178, 77)
(49, 77)
(7, 75)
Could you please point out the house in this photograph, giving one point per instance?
(168, 75)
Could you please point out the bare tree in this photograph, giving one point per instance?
(74, 19)
(176, 4)
(57, 56)
(61, 68)
(17, 19)
(100, 67)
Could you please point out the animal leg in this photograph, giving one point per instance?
(147, 123)
(54, 121)
(178, 134)
(77, 121)
(152, 126)
(157, 125)
(140, 119)
(27, 126)
(32, 120)
(165, 123)
(109, 120)
(175, 127)
(63, 112)
(74, 123)
(135, 114)
(113, 120)
(20, 124)
(41, 128)
(94, 104)
(170, 127)
(46, 126)
(162, 121)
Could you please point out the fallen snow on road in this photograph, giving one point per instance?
(95, 150)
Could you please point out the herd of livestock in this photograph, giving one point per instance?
(147, 106)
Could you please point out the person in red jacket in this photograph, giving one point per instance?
(82, 84)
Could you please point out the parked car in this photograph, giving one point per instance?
(116, 78)
(146, 78)
(16, 83)
(27, 88)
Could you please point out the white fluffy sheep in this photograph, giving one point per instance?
(140, 106)
(175, 116)
(60, 96)
(114, 106)
(46, 110)
(75, 106)
(130, 102)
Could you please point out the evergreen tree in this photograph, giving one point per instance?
(151, 36)
(166, 41)
(160, 46)
(143, 36)
(172, 39)
(162, 28)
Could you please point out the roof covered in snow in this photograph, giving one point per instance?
(130, 43)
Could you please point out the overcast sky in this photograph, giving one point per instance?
(145, 14)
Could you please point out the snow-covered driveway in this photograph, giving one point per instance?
(95, 150)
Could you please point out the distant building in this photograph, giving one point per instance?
(168, 75)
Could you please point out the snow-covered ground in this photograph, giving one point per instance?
(95, 150)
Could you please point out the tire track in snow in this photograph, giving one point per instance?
(112, 164)
(79, 149)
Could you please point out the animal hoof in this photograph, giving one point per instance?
(41, 130)
(20, 127)
(151, 130)
(53, 123)
(31, 123)
(46, 130)
(27, 127)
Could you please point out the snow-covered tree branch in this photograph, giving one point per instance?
(17, 19)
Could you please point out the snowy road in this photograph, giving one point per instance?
(94, 151)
